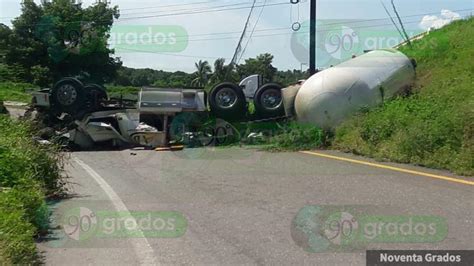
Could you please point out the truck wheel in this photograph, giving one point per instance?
(227, 101)
(96, 94)
(269, 101)
(68, 96)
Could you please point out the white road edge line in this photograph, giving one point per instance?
(143, 250)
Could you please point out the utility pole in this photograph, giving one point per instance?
(312, 38)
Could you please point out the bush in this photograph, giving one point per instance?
(28, 172)
(124, 91)
(435, 126)
(23, 216)
(42, 76)
(298, 137)
(22, 159)
(12, 73)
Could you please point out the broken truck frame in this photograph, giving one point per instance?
(94, 118)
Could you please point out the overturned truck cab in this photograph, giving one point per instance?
(96, 119)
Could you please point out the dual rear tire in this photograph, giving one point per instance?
(70, 96)
(268, 101)
(228, 101)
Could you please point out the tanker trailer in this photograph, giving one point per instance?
(329, 97)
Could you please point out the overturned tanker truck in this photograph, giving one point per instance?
(326, 99)
(329, 97)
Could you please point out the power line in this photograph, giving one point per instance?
(204, 11)
(173, 10)
(172, 14)
(401, 23)
(251, 33)
(323, 26)
(287, 29)
(377, 19)
(188, 9)
(239, 47)
(276, 4)
(170, 54)
(161, 6)
(187, 12)
(391, 19)
(287, 33)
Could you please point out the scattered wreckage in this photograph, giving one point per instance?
(83, 115)
(86, 116)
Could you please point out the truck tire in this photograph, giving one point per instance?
(96, 95)
(268, 101)
(68, 96)
(227, 101)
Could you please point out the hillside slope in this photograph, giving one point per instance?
(435, 126)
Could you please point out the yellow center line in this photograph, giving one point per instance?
(446, 178)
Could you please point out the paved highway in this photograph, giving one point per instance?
(243, 206)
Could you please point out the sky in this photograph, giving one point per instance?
(150, 34)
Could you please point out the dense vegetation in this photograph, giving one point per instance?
(435, 126)
(28, 174)
(129, 81)
(207, 76)
(61, 38)
(57, 39)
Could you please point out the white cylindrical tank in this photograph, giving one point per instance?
(330, 96)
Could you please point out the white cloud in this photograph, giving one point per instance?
(437, 22)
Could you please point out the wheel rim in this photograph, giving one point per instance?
(67, 95)
(207, 136)
(271, 99)
(226, 98)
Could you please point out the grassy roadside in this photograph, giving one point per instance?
(11, 91)
(28, 174)
(20, 92)
(295, 137)
(125, 91)
(435, 126)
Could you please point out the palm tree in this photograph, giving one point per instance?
(222, 72)
(203, 70)
(219, 71)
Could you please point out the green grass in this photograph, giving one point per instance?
(125, 91)
(435, 126)
(295, 137)
(19, 92)
(28, 174)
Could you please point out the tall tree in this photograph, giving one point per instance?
(222, 72)
(262, 65)
(219, 70)
(5, 33)
(61, 38)
(203, 70)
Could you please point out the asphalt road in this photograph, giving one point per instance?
(241, 206)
